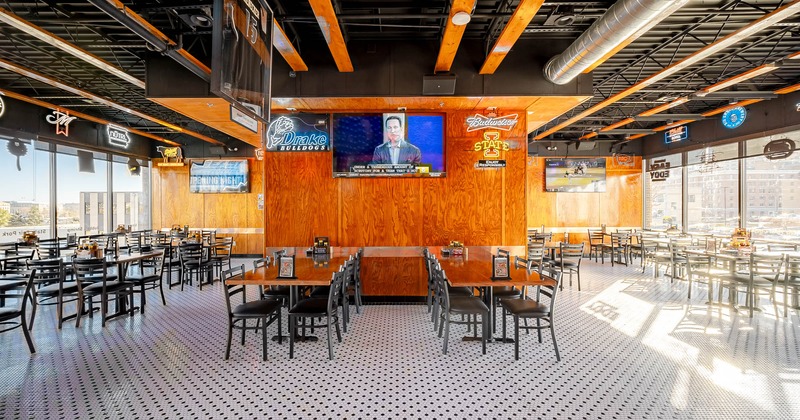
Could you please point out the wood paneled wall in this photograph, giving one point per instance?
(173, 204)
(620, 205)
(474, 206)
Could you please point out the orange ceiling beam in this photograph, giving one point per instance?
(784, 12)
(326, 18)
(526, 10)
(286, 49)
(81, 115)
(452, 35)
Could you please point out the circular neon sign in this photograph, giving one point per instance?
(734, 117)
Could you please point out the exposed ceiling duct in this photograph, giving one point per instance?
(625, 21)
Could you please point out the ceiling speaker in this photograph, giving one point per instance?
(216, 150)
(85, 161)
(438, 85)
(586, 145)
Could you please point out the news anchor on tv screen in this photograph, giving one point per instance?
(395, 149)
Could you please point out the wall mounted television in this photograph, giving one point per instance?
(362, 145)
(575, 175)
(219, 176)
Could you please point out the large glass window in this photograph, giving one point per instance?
(772, 199)
(713, 197)
(664, 192)
(25, 195)
(81, 196)
(131, 205)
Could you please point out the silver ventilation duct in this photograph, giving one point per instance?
(623, 20)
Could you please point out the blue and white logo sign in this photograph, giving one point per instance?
(676, 134)
(299, 133)
(734, 117)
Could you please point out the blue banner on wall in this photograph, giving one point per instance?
(299, 133)
(219, 176)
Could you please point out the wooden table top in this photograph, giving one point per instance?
(474, 268)
(308, 270)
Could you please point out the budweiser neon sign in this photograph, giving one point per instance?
(482, 122)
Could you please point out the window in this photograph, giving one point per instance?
(663, 194)
(775, 214)
(131, 195)
(25, 202)
(81, 190)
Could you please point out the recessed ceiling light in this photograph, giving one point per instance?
(461, 18)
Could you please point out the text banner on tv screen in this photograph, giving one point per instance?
(575, 175)
(298, 133)
(388, 145)
(219, 176)
(241, 63)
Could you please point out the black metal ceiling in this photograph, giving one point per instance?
(696, 25)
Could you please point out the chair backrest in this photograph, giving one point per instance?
(503, 253)
(766, 266)
(209, 236)
(277, 254)
(19, 264)
(571, 251)
(223, 247)
(49, 248)
(781, 247)
(192, 253)
(335, 291)
(21, 295)
(595, 237)
(620, 238)
(156, 261)
(520, 262)
(90, 270)
(440, 284)
(546, 237)
(792, 268)
(549, 290)
(50, 271)
(261, 262)
(231, 290)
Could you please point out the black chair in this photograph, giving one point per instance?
(469, 306)
(791, 281)
(50, 284)
(596, 240)
(150, 278)
(437, 296)
(21, 293)
(535, 309)
(263, 311)
(354, 284)
(316, 307)
(536, 255)
(280, 293)
(91, 275)
(569, 261)
(195, 262)
(221, 252)
(618, 249)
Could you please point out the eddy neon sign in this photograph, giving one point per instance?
(491, 145)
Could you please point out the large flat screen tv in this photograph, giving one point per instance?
(388, 145)
(219, 176)
(575, 175)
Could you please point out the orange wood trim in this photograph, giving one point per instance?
(777, 15)
(285, 47)
(452, 35)
(326, 17)
(588, 136)
(522, 16)
(788, 89)
(619, 123)
(81, 115)
(720, 110)
(741, 77)
(661, 108)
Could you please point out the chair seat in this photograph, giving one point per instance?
(569, 264)
(312, 306)
(468, 305)
(525, 307)
(196, 265)
(321, 291)
(8, 313)
(256, 309)
(460, 291)
(220, 257)
(111, 286)
(277, 291)
(52, 289)
(12, 284)
(147, 278)
(505, 291)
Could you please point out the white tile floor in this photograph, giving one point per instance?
(631, 347)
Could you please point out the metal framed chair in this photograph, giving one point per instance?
(15, 317)
(263, 311)
(535, 309)
(318, 307)
(569, 261)
(469, 306)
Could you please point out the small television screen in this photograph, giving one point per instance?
(575, 175)
(388, 145)
(242, 55)
(219, 176)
